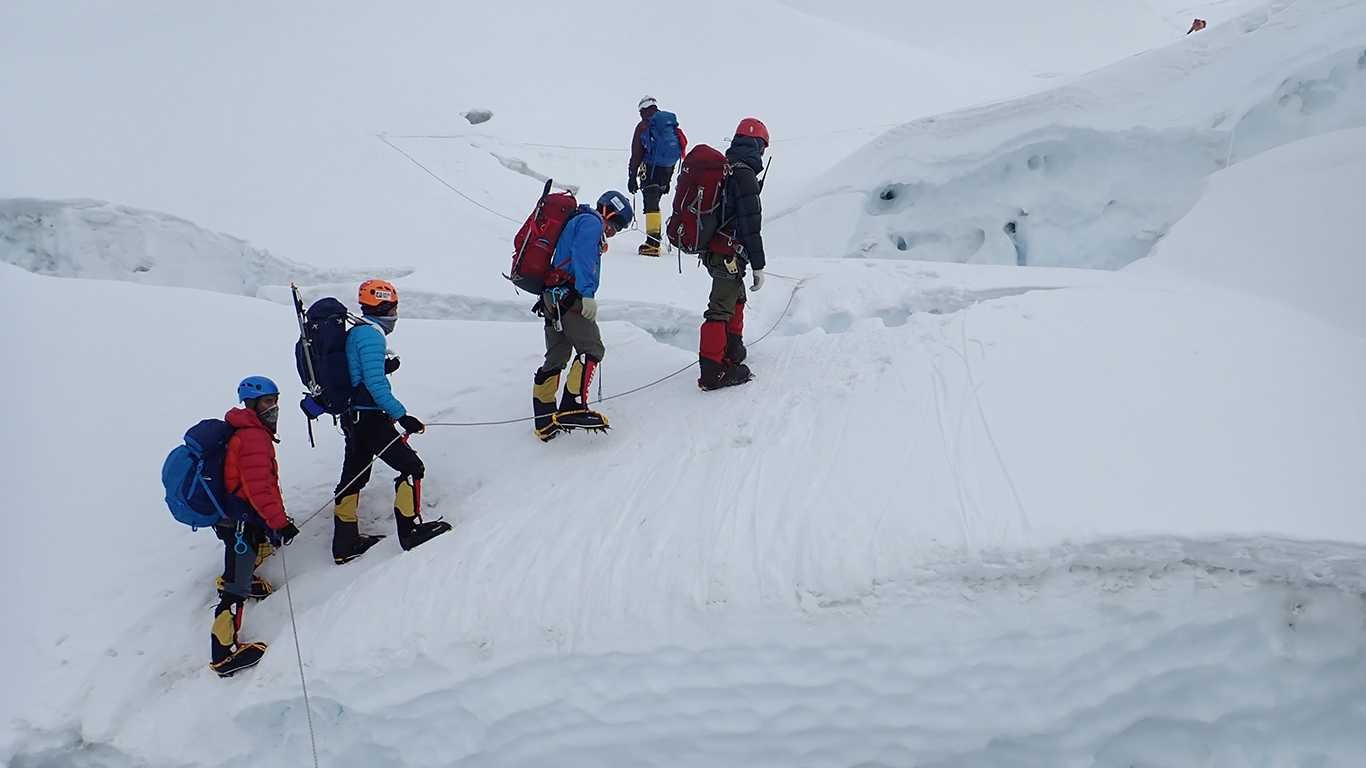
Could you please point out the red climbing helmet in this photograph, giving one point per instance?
(751, 126)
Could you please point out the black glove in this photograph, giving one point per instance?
(411, 425)
(390, 364)
(632, 185)
(287, 534)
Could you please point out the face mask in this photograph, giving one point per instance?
(270, 417)
(386, 323)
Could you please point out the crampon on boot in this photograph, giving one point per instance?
(348, 543)
(227, 656)
(648, 249)
(589, 421)
(412, 531)
(246, 656)
(260, 588)
(358, 547)
(423, 532)
(719, 375)
(574, 412)
(716, 370)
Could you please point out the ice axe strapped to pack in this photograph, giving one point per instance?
(320, 356)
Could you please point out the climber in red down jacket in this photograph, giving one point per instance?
(252, 476)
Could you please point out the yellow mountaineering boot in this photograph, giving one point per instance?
(543, 388)
(347, 541)
(227, 656)
(650, 247)
(412, 530)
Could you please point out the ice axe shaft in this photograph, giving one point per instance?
(313, 387)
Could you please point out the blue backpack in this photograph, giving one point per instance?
(193, 477)
(660, 139)
(320, 355)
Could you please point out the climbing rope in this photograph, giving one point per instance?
(621, 150)
(353, 479)
(289, 594)
(536, 145)
(781, 316)
(299, 655)
(444, 183)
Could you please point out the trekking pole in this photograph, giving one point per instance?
(313, 388)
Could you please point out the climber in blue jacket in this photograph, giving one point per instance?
(570, 307)
(369, 429)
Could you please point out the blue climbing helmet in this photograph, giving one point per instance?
(617, 208)
(253, 387)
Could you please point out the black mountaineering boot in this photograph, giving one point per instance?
(412, 531)
(718, 375)
(347, 541)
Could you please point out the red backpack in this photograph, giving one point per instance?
(534, 245)
(695, 223)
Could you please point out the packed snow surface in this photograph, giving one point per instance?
(966, 515)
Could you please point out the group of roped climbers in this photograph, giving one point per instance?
(376, 424)
(658, 144)
(255, 521)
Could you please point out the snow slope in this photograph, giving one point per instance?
(1095, 172)
(1089, 35)
(1283, 225)
(942, 507)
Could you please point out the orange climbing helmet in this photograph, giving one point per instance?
(378, 297)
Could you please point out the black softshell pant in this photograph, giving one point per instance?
(367, 433)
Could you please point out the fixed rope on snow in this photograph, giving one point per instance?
(444, 183)
(299, 655)
(500, 422)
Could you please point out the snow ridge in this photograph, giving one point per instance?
(95, 239)
(1094, 173)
